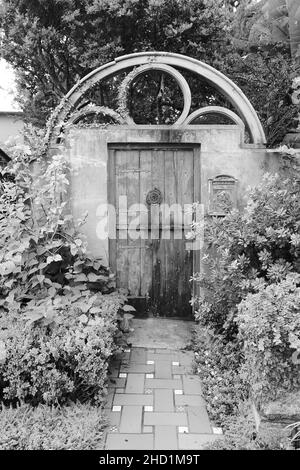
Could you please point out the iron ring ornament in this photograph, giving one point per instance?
(154, 197)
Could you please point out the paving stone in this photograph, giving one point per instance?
(138, 355)
(148, 429)
(162, 351)
(198, 420)
(131, 419)
(182, 369)
(190, 400)
(114, 418)
(195, 441)
(133, 399)
(160, 357)
(165, 438)
(163, 370)
(191, 385)
(163, 383)
(109, 398)
(129, 441)
(164, 419)
(135, 383)
(186, 358)
(116, 383)
(137, 368)
(133, 427)
(163, 400)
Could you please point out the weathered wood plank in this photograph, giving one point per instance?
(146, 251)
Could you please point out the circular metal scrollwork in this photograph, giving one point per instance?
(154, 197)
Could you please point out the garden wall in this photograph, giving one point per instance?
(221, 153)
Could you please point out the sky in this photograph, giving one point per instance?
(7, 88)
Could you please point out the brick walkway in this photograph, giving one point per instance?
(155, 402)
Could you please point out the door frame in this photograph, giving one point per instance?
(112, 147)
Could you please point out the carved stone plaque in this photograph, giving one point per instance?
(222, 195)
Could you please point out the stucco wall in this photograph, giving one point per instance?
(222, 152)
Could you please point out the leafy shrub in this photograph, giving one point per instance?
(245, 249)
(248, 254)
(44, 253)
(63, 359)
(269, 327)
(75, 427)
(58, 314)
(218, 364)
(240, 434)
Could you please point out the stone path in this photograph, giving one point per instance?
(155, 402)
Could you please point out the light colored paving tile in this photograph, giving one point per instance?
(135, 383)
(163, 400)
(198, 420)
(131, 419)
(165, 419)
(165, 438)
(148, 429)
(129, 441)
(131, 399)
(195, 441)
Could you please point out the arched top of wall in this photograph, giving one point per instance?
(168, 62)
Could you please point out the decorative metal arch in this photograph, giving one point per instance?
(166, 62)
(215, 110)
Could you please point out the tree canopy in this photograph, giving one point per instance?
(54, 43)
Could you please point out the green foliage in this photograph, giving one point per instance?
(60, 356)
(75, 427)
(240, 434)
(248, 311)
(247, 249)
(218, 365)
(59, 313)
(52, 44)
(269, 328)
(44, 252)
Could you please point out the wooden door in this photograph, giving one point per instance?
(151, 260)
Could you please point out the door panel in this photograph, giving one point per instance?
(152, 261)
